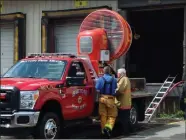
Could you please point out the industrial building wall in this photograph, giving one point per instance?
(33, 11)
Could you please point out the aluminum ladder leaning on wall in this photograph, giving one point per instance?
(161, 94)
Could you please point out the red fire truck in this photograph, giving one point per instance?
(44, 93)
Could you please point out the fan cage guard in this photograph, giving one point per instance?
(118, 31)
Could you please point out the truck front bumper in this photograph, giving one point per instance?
(19, 120)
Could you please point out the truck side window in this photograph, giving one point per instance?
(77, 71)
(86, 44)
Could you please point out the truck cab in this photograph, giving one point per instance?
(46, 90)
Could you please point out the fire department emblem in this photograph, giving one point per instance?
(80, 99)
(2, 96)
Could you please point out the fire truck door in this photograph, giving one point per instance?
(81, 93)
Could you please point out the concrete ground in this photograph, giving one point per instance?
(174, 131)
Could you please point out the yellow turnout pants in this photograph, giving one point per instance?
(107, 111)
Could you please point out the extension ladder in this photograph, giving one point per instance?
(158, 98)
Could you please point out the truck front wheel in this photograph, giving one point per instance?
(48, 127)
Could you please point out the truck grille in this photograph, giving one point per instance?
(9, 99)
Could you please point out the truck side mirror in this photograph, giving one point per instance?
(68, 81)
(60, 85)
(75, 81)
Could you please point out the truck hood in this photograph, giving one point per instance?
(26, 83)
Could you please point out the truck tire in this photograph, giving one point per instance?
(133, 118)
(49, 127)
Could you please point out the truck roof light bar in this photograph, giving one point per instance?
(51, 54)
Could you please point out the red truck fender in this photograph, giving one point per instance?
(46, 96)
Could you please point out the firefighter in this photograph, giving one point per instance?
(112, 72)
(123, 100)
(106, 86)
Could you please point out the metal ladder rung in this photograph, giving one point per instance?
(158, 97)
(171, 77)
(151, 108)
(161, 92)
(148, 114)
(168, 82)
(155, 103)
(166, 87)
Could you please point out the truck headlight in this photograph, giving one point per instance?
(28, 99)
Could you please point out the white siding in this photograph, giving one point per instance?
(65, 35)
(7, 46)
(33, 11)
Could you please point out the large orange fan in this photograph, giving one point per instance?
(118, 31)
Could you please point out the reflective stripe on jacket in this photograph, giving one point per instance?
(124, 93)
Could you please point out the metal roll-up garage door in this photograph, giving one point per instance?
(7, 46)
(66, 32)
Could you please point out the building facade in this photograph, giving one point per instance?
(42, 26)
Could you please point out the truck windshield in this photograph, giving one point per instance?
(47, 69)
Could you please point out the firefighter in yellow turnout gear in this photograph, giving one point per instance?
(123, 100)
(106, 86)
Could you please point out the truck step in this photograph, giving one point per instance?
(71, 123)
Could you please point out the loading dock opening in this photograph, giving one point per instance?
(159, 51)
(12, 39)
(60, 28)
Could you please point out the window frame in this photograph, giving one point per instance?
(81, 65)
(83, 69)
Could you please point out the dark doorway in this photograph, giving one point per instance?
(159, 50)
